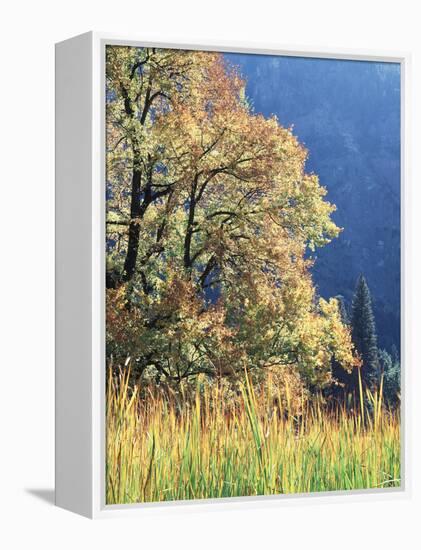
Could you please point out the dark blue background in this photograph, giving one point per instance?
(347, 113)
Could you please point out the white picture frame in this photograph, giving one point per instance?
(80, 277)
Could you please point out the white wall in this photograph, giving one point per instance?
(28, 32)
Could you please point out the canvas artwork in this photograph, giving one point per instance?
(252, 275)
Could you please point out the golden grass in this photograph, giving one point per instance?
(162, 448)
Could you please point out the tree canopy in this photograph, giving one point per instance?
(211, 217)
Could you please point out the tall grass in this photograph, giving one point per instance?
(172, 447)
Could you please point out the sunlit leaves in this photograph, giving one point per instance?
(222, 282)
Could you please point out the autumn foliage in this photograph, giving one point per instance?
(211, 223)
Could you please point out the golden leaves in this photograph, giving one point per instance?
(222, 280)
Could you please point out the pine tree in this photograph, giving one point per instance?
(390, 367)
(343, 310)
(343, 380)
(364, 332)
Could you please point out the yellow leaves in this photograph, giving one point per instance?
(236, 181)
(338, 334)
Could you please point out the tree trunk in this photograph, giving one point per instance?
(137, 211)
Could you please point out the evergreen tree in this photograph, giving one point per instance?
(394, 353)
(364, 332)
(343, 381)
(390, 367)
(343, 310)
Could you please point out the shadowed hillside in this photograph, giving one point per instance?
(347, 115)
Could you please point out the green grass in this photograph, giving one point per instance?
(166, 447)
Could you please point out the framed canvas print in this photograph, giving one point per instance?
(230, 282)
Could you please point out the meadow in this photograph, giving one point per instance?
(164, 446)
